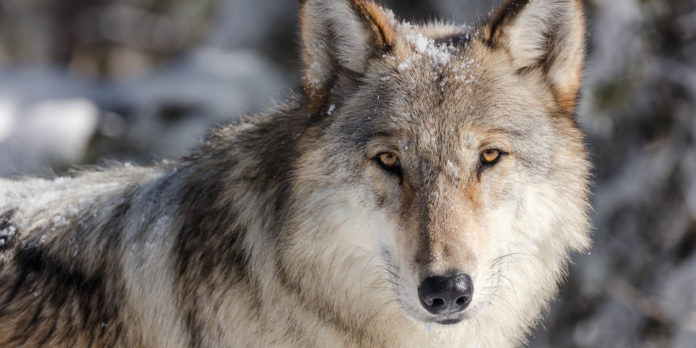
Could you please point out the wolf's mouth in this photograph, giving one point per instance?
(449, 321)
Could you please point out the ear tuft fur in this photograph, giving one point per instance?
(340, 36)
(543, 34)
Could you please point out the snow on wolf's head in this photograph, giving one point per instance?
(451, 152)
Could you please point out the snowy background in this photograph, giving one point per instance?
(85, 81)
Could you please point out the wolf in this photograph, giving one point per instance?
(426, 188)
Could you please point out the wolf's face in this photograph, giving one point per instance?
(458, 143)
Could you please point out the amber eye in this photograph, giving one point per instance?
(388, 159)
(490, 156)
(389, 162)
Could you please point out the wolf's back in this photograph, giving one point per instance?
(61, 257)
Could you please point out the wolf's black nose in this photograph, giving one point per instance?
(446, 294)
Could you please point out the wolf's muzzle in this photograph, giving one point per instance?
(446, 295)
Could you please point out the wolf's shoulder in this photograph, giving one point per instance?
(271, 132)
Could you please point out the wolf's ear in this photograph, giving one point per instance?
(543, 34)
(338, 38)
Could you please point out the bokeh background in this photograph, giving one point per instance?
(87, 81)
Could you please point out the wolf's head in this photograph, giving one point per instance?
(450, 151)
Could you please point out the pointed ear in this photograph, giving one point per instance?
(543, 34)
(338, 38)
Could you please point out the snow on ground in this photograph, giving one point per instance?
(48, 118)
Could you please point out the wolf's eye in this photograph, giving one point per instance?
(490, 156)
(389, 161)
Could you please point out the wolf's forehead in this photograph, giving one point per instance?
(438, 50)
(429, 67)
(459, 126)
(439, 89)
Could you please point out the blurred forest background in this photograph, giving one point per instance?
(82, 81)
